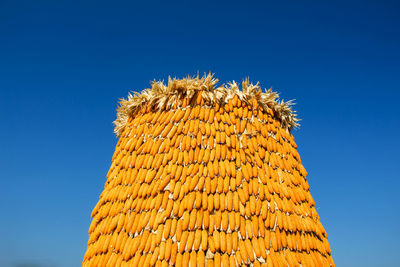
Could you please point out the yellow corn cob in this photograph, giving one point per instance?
(193, 259)
(243, 251)
(190, 241)
(178, 261)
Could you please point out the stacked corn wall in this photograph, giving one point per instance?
(200, 183)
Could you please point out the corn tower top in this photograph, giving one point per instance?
(198, 90)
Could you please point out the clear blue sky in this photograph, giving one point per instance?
(65, 64)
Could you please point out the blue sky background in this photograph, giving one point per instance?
(64, 65)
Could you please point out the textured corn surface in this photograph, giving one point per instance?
(215, 185)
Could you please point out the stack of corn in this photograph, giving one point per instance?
(206, 175)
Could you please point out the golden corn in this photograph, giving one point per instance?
(200, 178)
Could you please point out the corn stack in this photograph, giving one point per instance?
(206, 175)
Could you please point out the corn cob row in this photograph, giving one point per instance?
(202, 183)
